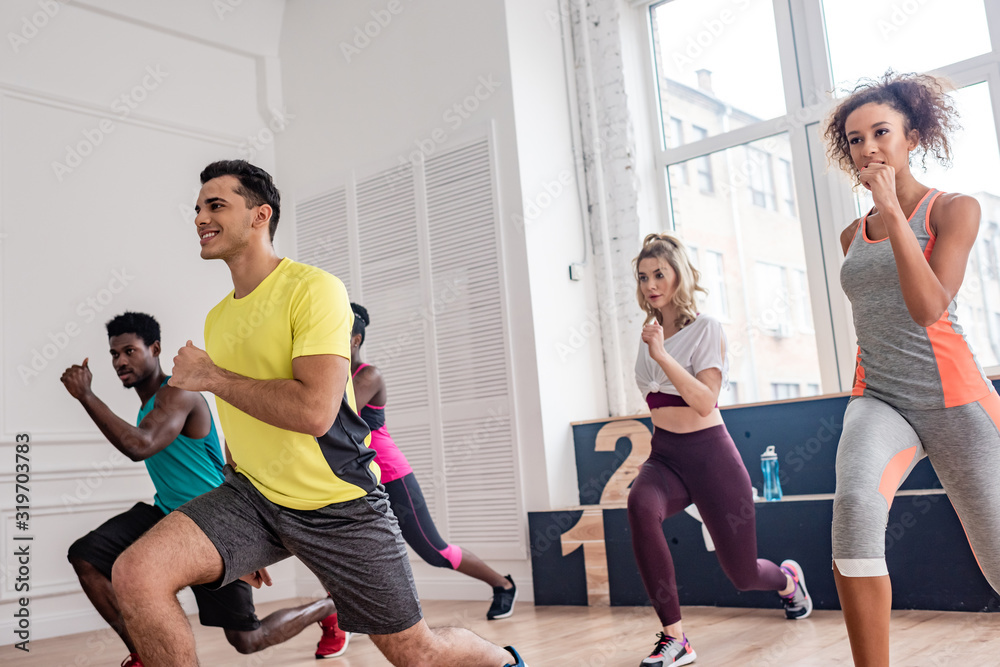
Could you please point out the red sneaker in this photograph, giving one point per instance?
(132, 661)
(334, 641)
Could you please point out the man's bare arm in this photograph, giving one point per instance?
(307, 403)
(158, 429)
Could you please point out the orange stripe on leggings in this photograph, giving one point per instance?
(991, 404)
(892, 476)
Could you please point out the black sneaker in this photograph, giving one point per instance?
(518, 662)
(503, 601)
(798, 605)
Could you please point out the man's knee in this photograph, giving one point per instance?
(417, 646)
(245, 642)
(129, 575)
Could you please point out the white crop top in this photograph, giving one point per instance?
(695, 347)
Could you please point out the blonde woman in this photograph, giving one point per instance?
(680, 370)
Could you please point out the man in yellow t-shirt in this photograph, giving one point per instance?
(305, 482)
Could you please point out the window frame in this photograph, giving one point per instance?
(788, 185)
(823, 197)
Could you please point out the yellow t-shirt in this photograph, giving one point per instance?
(298, 310)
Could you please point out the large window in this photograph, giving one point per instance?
(742, 93)
(866, 38)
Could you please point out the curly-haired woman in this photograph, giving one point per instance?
(918, 388)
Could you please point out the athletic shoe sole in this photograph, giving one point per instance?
(686, 660)
(802, 583)
(347, 640)
(509, 611)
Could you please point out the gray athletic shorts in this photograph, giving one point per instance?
(354, 548)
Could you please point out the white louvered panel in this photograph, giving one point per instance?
(390, 274)
(465, 261)
(321, 226)
(415, 443)
(482, 506)
(482, 499)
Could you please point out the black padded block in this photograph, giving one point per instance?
(557, 579)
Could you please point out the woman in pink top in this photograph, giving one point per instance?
(407, 501)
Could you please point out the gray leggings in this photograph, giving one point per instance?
(878, 449)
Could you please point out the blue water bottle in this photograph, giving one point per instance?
(769, 465)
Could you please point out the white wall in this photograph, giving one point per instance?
(368, 83)
(567, 327)
(108, 230)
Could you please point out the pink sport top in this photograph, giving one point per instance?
(390, 460)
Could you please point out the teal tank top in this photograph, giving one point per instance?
(184, 469)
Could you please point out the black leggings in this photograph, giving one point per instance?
(702, 467)
(418, 528)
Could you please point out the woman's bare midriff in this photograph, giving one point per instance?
(684, 419)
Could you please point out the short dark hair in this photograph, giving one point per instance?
(361, 320)
(256, 186)
(142, 325)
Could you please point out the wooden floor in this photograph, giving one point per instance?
(596, 637)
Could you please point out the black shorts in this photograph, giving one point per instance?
(354, 548)
(230, 607)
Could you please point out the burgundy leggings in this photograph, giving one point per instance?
(702, 467)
